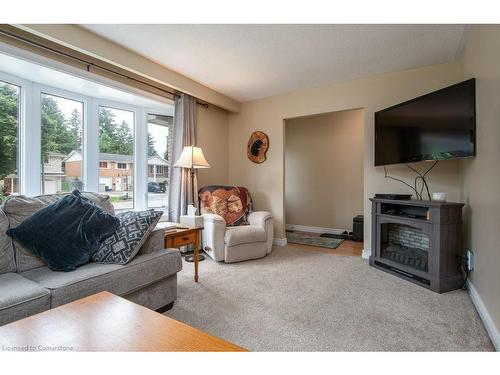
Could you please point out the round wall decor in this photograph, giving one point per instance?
(257, 147)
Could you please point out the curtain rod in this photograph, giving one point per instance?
(90, 64)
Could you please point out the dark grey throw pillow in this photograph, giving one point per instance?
(123, 245)
(66, 233)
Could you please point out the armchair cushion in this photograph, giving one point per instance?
(244, 234)
(232, 203)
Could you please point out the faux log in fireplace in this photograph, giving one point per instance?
(419, 241)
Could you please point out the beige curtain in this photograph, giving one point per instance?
(179, 196)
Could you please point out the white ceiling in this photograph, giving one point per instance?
(35, 72)
(248, 62)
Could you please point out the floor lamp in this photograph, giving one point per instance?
(192, 158)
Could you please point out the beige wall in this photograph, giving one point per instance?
(324, 169)
(481, 175)
(212, 137)
(266, 181)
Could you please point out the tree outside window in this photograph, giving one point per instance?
(62, 129)
(9, 139)
(116, 145)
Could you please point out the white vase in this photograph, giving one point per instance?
(439, 197)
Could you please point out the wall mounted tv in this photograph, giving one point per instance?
(440, 125)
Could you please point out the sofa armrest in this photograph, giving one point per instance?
(213, 236)
(264, 219)
(155, 241)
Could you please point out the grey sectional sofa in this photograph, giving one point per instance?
(28, 286)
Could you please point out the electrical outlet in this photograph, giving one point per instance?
(470, 260)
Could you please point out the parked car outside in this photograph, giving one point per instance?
(156, 187)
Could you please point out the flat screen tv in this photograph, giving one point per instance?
(440, 125)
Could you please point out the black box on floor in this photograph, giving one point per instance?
(357, 227)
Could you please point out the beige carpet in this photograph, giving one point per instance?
(302, 300)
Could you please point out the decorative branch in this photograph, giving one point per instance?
(420, 177)
(419, 197)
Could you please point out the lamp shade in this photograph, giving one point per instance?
(192, 157)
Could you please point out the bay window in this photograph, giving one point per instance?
(97, 138)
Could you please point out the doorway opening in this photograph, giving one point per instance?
(324, 181)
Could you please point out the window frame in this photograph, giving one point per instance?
(160, 169)
(30, 125)
(122, 169)
(25, 142)
(39, 89)
(137, 111)
(146, 112)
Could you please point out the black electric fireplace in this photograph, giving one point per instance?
(406, 245)
(419, 241)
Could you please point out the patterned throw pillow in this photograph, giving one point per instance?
(125, 242)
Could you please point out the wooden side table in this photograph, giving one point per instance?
(182, 237)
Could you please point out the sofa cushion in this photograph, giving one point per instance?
(115, 278)
(155, 241)
(125, 242)
(19, 208)
(102, 200)
(7, 263)
(20, 297)
(244, 234)
(66, 233)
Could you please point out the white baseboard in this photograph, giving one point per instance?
(366, 254)
(304, 228)
(485, 316)
(279, 241)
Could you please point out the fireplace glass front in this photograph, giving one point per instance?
(406, 245)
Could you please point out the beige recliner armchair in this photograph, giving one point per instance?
(232, 233)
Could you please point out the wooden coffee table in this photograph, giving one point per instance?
(105, 322)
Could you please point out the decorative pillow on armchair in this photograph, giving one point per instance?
(125, 242)
(233, 203)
